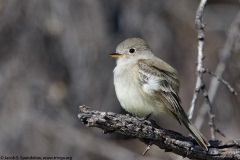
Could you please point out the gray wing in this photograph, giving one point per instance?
(160, 79)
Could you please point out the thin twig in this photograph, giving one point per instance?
(147, 149)
(210, 113)
(223, 81)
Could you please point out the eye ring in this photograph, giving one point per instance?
(131, 50)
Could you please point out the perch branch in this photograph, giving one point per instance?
(149, 133)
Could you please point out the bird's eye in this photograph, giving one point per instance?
(132, 50)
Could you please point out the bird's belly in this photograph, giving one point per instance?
(131, 97)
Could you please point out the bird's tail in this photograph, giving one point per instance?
(201, 140)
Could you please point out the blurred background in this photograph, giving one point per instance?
(54, 58)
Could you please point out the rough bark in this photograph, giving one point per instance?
(149, 133)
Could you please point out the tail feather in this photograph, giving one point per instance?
(201, 140)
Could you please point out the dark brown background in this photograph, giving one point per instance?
(54, 57)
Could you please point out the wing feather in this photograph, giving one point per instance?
(161, 80)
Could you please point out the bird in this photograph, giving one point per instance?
(146, 85)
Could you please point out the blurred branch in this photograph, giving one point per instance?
(149, 133)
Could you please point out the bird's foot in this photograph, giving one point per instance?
(144, 118)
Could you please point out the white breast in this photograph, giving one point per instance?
(129, 92)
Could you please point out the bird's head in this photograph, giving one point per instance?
(132, 47)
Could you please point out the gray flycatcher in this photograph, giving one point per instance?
(147, 85)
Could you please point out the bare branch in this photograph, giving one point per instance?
(200, 85)
(200, 29)
(149, 133)
(225, 54)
